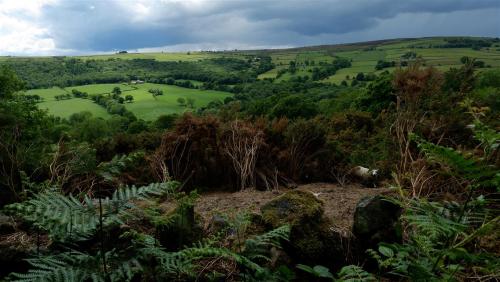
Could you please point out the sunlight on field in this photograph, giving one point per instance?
(144, 105)
(148, 108)
(66, 108)
(47, 94)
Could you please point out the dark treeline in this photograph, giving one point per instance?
(319, 72)
(467, 43)
(63, 72)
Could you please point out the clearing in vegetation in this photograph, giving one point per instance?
(340, 202)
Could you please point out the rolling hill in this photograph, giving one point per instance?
(210, 76)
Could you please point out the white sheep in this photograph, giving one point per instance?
(366, 175)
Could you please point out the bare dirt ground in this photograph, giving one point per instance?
(340, 202)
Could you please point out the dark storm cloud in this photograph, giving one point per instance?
(337, 17)
(125, 24)
(98, 26)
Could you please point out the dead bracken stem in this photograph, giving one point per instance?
(241, 144)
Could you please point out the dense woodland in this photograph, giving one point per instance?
(94, 199)
(62, 71)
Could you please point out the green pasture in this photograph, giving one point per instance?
(441, 58)
(282, 61)
(149, 108)
(48, 93)
(65, 108)
(364, 59)
(92, 89)
(144, 106)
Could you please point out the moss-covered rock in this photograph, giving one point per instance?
(311, 238)
(318, 243)
(292, 208)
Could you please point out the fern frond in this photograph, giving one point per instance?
(62, 267)
(123, 269)
(183, 261)
(258, 247)
(436, 235)
(77, 266)
(432, 220)
(354, 273)
(117, 206)
(207, 252)
(65, 217)
(62, 216)
(489, 138)
(468, 168)
(109, 170)
(168, 262)
(274, 237)
(144, 192)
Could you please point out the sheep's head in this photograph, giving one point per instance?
(374, 172)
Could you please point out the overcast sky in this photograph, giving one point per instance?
(58, 27)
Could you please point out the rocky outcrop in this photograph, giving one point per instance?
(312, 239)
(376, 220)
(294, 208)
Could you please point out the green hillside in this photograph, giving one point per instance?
(183, 75)
(364, 56)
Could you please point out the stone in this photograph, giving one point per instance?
(317, 243)
(218, 224)
(376, 220)
(311, 238)
(7, 225)
(292, 208)
(181, 230)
